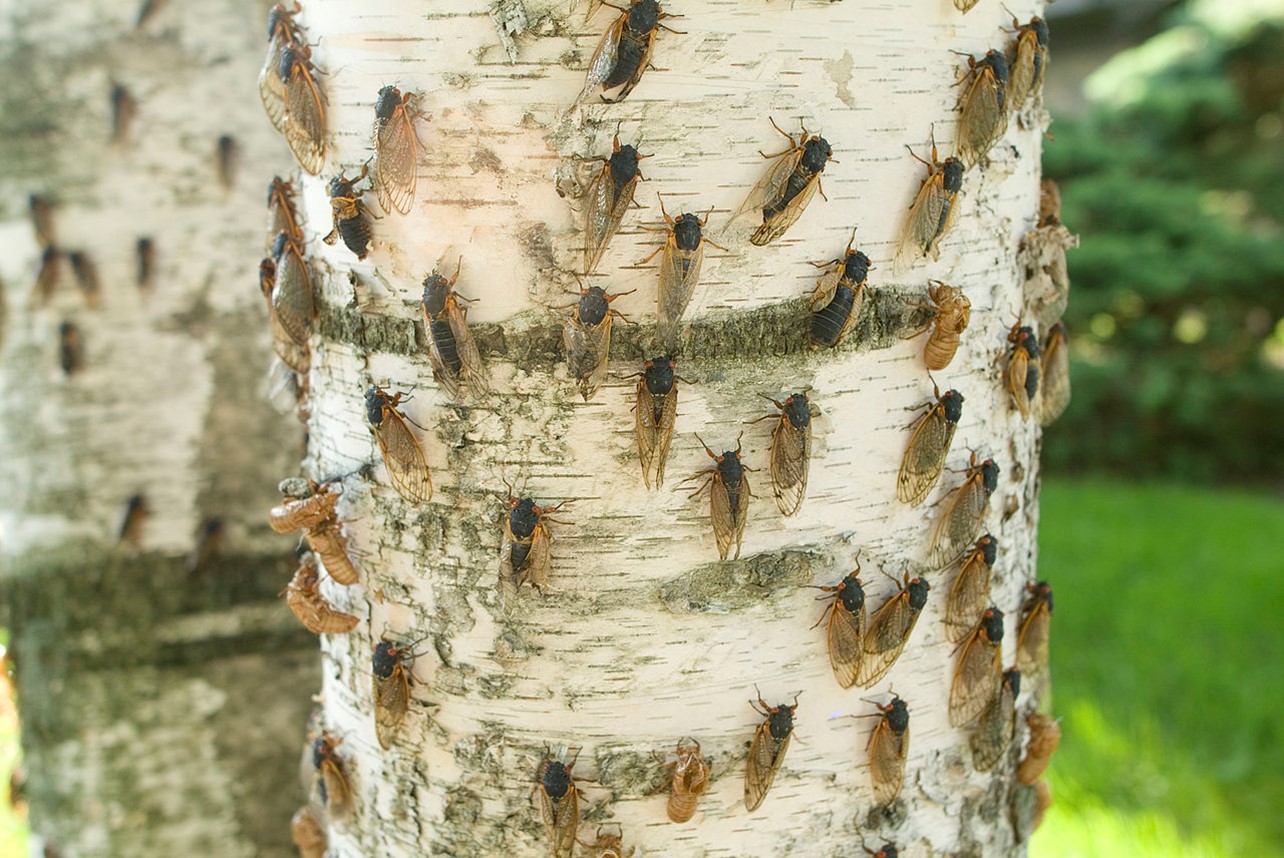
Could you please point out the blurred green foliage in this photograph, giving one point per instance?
(1175, 181)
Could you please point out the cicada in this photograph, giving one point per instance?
(970, 593)
(837, 299)
(351, 218)
(282, 32)
(679, 270)
(609, 196)
(294, 354)
(997, 724)
(1045, 736)
(1055, 369)
(951, 311)
(964, 513)
(526, 548)
(303, 596)
(396, 159)
(890, 628)
(86, 271)
(770, 742)
(1032, 637)
(625, 51)
(41, 209)
(688, 782)
(306, 505)
(456, 362)
(71, 348)
(1029, 61)
(402, 453)
(983, 111)
(293, 305)
(928, 446)
(932, 213)
(609, 845)
(655, 410)
(559, 804)
(845, 629)
(790, 451)
(1024, 367)
(587, 337)
(888, 746)
(282, 215)
(391, 681)
(332, 782)
(979, 670)
(328, 541)
(145, 255)
(789, 185)
(124, 107)
(131, 524)
(729, 495)
(305, 108)
(307, 830)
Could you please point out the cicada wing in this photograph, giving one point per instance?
(778, 224)
(333, 785)
(887, 753)
(636, 77)
(1033, 641)
(679, 274)
(1027, 69)
(535, 572)
(965, 5)
(305, 128)
(292, 298)
(790, 460)
(602, 215)
(1018, 368)
(923, 227)
(561, 820)
(1056, 380)
(983, 118)
(510, 579)
(765, 756)
(771, 187)
(994, 730)
(846, 633)
(396, 162)
(654, 433)
(472, 371)
(603, 61)
(271, 88)
(959, 524)
(976, 679)
(885, 639)
(969, 596)
(404, 458)
(925, 456)
(392, 699)
(297, 356)
(727, 516)
(587, 350)
(826, 286)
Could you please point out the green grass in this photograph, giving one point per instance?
(1168, 671)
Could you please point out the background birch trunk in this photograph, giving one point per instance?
(644, 637)
(161, 708)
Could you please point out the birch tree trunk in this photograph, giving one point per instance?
(644, 637)
(161, 707)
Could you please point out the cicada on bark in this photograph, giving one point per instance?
(402, 453)
(679, 270)
(1024, 367)
(788, 187)
(655, 411)
(625, 51)
(305, 108)
(1029, 61)
(282, 32)
(526, 548)
(303, 596)
(790, 451)
(770, 742)
(609, 196)
(586, 335)
(1033, 634)
(951, 312)
(836, 302)
(890, 628)
(729, 495)
(888, 747)
(396, 159)
(282, 214)
(351, 217)
(687, 782)
(970, 593)
(391, 689)
(963, 513)
(844, 620)
(932, 213)
(456, 362)
(928, 446)
(559, 800)
(983, 109)
(332, 781)
(1055, 371)
(979, 670)
(997, 724)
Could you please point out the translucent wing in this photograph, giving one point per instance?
(846, 633)
(778, 224)
(888, 631)
(603, 61)
(994, 730)
(826, 286)
(887, 762)
(930, 218)
(561, 819)
(728, 519)
(396, 163)
(271, 88)
(1032, 641)
(969, 596)
(925, 456)
(473, 372)
(587, 350)
(602, 215)
(1027, 68)
(960, 522)
(333, 786)
(965, 5)
(654, 435)
(404, 458)
(297, 356)
(679, 274)
(983, 117)
(305, 119)
(292, 301)
(1018, 369)
(771, 187)
(535, 572)
(392, 698)
(1056, 379)
(765, 757)
(790, 458)
(976, 679)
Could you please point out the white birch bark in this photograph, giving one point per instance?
(146, 726)
(644, 636)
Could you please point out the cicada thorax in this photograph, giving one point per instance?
(997, 724)
(403, 455)
(305, 109)
(888, 747)
(951, 312)
(1029, 62)
(351, 219)
(729, 495)
(928, 447)
(307, 830)
(655, 411)
(932, 213)
(559, 804)
(983, 108)
(1055, 371)
(608, 199)
(391, 688)
(837, 299)
(456, 361)
(282, 214)
(304, 598)
(396, 145)
(586, 334)
(889, 630)
(979, 670)
(767, 752)
(791, 452)
(1024, 367)
(964, 513)
(688, 781)
(970, 592)
(1033, 634)
(332, 781)
(844, 620)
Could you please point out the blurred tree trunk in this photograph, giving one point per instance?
(161, 706)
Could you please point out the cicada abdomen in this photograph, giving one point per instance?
(351, 218)
(836, 302)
